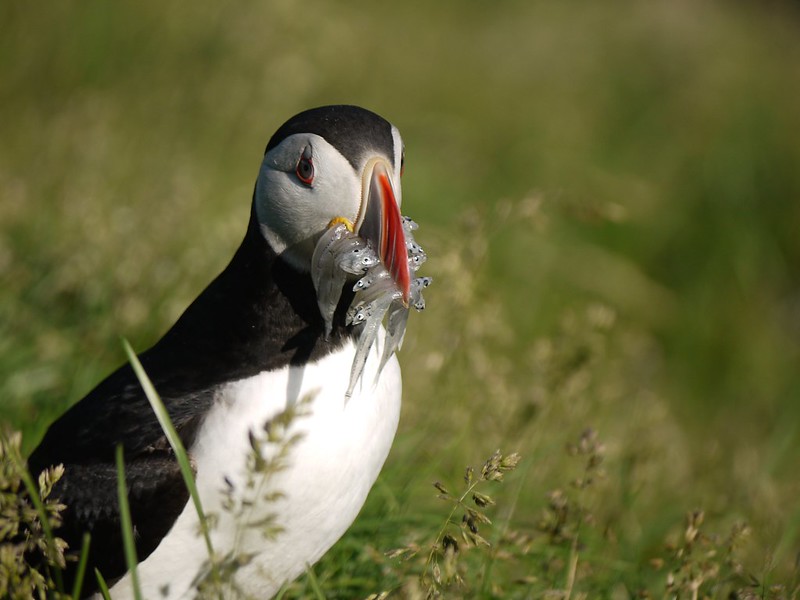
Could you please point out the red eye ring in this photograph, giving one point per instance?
(305, 167)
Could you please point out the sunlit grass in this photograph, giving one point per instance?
(31, 558)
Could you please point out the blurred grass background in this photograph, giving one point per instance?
(609, 195)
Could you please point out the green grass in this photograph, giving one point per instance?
(128, 542)
(610, 198)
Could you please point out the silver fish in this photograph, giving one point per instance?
(341, 255)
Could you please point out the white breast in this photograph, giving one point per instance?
(329, 473)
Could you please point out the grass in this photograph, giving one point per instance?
(30, 558)
(127, 525)
(608, 196)
(80, 572)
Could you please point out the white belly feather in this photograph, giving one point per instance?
(330, 471)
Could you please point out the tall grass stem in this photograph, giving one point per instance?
(101, 583)
(129, 546)
(80, 573)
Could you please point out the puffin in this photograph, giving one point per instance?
(250, 349)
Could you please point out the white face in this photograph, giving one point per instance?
(293, 209)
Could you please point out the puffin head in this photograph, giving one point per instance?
(328, 165)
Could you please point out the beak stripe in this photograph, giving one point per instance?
(393, 243)
(382, 225)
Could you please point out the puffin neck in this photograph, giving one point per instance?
(286, 296)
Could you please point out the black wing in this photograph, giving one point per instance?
(84, 440)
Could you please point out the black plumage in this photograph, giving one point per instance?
(350, 129)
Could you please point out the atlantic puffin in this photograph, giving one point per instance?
(250, 346)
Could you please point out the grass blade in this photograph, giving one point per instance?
(177, 447)
(127, 526)
(81, 572)
(101, 583)
(314, 583)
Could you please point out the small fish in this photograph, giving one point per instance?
(353, 255)
(409, 224)
(338, 253)
(417, 285)
(397, 317)
(341, 255)
(372, 276)
(373, 314)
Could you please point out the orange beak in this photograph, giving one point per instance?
(382, 225)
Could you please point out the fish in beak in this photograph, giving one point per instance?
(379, 247)
(379, 223)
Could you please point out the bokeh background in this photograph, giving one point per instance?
(609, 194)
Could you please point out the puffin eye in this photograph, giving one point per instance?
(305, 167)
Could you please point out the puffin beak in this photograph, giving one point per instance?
(380, 223)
